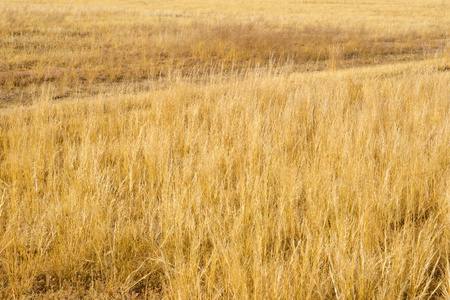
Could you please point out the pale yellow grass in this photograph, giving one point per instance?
(333, 184)
(221, 159)
(81, 48)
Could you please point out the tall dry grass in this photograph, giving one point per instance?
(329, 185)
(80, 49)
(180, 150)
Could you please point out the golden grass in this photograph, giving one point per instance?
(78, 49)
(226, 177)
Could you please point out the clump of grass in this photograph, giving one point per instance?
(308, 186)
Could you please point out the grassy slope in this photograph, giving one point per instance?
(264, 183)
(83, 50)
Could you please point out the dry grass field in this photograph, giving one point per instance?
(225, 149)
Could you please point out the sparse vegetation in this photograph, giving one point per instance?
(223, 150)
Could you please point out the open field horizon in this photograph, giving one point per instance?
(181, 150)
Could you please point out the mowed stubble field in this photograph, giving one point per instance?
(235, 149)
